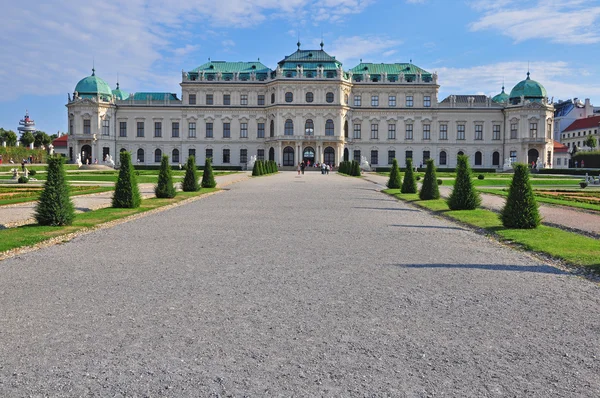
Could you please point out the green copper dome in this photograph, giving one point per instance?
(501, 98)
(92, 86)
(120, 94)
(529, 89)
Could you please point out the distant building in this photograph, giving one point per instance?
(561, 156)
(60, 145)
(578, 131)
(26, 124)
(566, 112)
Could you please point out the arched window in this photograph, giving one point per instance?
(329, 97)
(309, 127)
(346, 129)
(496, 159)
(288, 156)
(310, 97)
(443, 158)
(329, 127)
(272, 129)
(289, 127)
(175, 155)
(272, 98)
(272, 154)
(289, 97)
(478, 158)
(157, 155)
(459, 153)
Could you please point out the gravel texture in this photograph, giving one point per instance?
(294, 286)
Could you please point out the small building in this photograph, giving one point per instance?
(60, 145)
(578, 132)
(561, 156)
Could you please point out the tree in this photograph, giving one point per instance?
(255, 169)
(409, 184)
(40, 138)
(208, 179)
(590, 142)
(10, 137)
(190, 181)
(520, 210)
(165, 187)
(394, 181)
(54, 206)
(355, 170)
(27, 138)
(463, 196)
(430, 189)
(127, 193)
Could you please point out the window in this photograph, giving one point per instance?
(426, 156)
(357, 100)
(289, 127)
(460, 133)
(260, 130)
(409, 101)
(175, 155)
(87, 126)
(260, 154)
(243, 130)
(289, 97)
(140, 129)
(226, 156)
(514, 131)
(549, 130)
(533, 130)
(391, 156)
(310, 97)
(443, 131)
(209, 99)
(192, 99)
(175, 129)
(140, 155)
(409, 132)
(226, 99)
(226, 130)
(261, 99)
(122, 129)
(426, 131)
(329, 97)
(375, 100)
(408, 155)
(496, 132)
(374, 131)
(357, 155)
(496, 159)
(391, 131)
(392, 100)
(272, 129)
(157, 129)
(71, 126)
(273, 98)
(209, 130)
(288, 156)
(157, 156)
(192, 152)
(105, 127)
(443, 158)
(329, 127)
(374, 157)
(478, 158)
(192, 130)
(105, 153)
(427, 101)
(479, 132)
(244, 99)
(356, 132)
(513, 156)
(309, 127)
(209, 153)
(243, 155)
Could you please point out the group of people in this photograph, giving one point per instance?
(325, 168)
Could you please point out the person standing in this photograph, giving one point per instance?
(302, 166)
(298, 168)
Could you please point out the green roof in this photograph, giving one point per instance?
(393, 70)
(530, 89)
(120, 94)
(232, 67)
(92, 86)
(153, 96)
(309, 56)
(501, 98)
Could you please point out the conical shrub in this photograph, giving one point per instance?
(208, 179)
(275, 167)
(409, 185)
(463, 196)
(255, 170)
(190, 181)
(127, 193)
(520, 210)
(394, 181)
(54, 207)
(165, 187)
(355, 169)
(430, 189)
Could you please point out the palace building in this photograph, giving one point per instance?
(310, 108)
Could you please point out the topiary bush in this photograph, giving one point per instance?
(480, 177)
(409, 185)
(190, 181)
(520, 210)
(394, 180)
(582, 184)
(429, 189)
(23, 180)
(439, 181)
(165, 187)
(208, 178)
(355, 169)
(463, 196)
(255, 169)
(32, 173)
(127, 193)
(54, 206)
(418, 178)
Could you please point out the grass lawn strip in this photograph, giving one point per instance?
(569, 247)
(593, 208)
(32, 195)
(19, 240)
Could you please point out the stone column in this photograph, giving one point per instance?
(298, 153)
(279, 153)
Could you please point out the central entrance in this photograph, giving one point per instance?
(308, 155)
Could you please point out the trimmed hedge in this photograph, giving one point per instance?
(575, 172)
(590, 158)
(438, 169)
(176, 167)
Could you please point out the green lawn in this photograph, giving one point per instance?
(22, 193)
(546, 198)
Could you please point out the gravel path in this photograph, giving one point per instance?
(294, 286)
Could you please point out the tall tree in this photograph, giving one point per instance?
(40, 138)
(590, 142)
(27, 138)
(10, 137)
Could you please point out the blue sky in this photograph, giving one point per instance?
(473, 45)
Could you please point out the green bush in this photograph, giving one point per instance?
(463, 196)
(208, 179)
(520, 210)
(54, 206)
(275, 167)
(23, 180)
(418, 178)
(127, 193)
(409, 185)
(394, 180)
(439, 181)
(582, 184)
(255, 169)
(32, 173)
(190, 181)
(355, 169)
(165, 187)
(480, 177)
(429, 189)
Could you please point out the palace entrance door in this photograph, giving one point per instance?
(86, 154)
(308, 155)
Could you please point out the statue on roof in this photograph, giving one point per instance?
(401, 77)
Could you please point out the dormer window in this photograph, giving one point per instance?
(253, 66)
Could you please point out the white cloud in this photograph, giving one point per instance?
(350, 49)
(570, 22)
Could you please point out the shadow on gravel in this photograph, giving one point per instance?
(544, 269)
(385, 208)
(380, 200)
(83, 209)
(426, 226)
